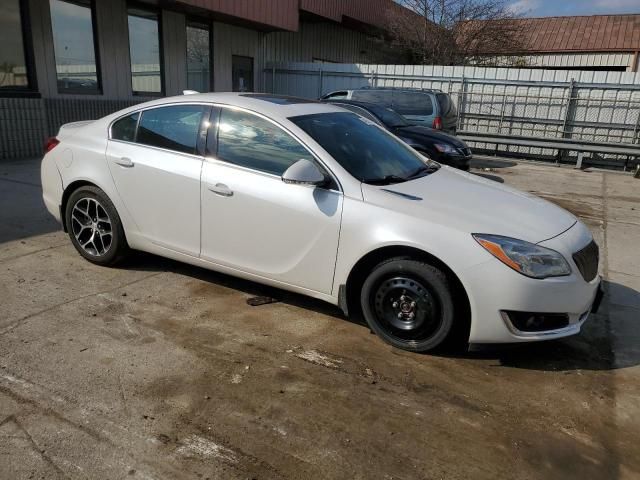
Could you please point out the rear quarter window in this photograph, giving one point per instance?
(446, 104)
(336, 96)
(412, 103)
(125, 128)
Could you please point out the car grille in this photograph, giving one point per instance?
(587, 261)
(465, 151)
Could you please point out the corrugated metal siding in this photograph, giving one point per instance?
(370, 12)
(22, 127)
(229, 40)
(324, 41)
(597, 33)
(274, 13)
(26, 123)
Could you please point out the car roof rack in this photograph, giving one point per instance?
(409, 89)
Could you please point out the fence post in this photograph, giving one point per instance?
(504, 103)
(460, 103)
(273, 78)
(568, 115)
(320, 75)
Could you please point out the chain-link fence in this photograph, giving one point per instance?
(540, 104)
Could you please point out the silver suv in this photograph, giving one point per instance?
(429, 108)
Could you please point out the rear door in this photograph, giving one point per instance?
(416, 107)
(156, 169)
(448, 112)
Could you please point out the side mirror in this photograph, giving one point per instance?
(304, 172)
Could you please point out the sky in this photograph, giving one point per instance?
(545, 8)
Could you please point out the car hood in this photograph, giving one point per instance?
(430, 134)
(473, 204)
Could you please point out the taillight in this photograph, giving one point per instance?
(51, 143)
(437, 123)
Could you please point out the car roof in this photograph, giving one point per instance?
(273, 106)
(365, 105)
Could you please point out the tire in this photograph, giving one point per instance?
(409, 304)
(94, 226)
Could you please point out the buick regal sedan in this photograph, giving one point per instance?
(312, 198)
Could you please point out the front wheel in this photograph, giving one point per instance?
(409, 304)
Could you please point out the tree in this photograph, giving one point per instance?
(456, 32)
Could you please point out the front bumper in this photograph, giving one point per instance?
(494, 288)
(456, 161)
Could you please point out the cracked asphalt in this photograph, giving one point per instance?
(158, 370)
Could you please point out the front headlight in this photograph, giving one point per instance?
(526, 258)
(445, 148)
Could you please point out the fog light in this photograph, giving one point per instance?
(536, 322)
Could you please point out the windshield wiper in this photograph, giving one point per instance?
(422, 169)
(386, 180)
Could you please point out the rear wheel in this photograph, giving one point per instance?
(409, 304)
(94, 226)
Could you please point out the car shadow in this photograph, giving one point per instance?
(491, 163)
(609, 340)
(141, 261)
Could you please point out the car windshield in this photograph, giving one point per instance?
(364, 149)
(389, 117)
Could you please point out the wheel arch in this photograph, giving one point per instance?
(72, 187)
(349, 293)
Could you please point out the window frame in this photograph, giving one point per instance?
(96, 53)
(202, 129)
(158, 13)
(190, 20)
(31, 89)
(334, 185)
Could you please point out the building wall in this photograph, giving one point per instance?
(25, 123)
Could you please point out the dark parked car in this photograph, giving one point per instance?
(436, 145)
(429, 108)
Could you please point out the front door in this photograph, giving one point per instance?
(157, 170)
(254, 222)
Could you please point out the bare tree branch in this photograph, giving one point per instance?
(456, 32)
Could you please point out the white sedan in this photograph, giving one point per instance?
(315, 199)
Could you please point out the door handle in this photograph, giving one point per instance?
(124, 162)
(220, 189)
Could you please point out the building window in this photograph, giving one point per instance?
(242, 73)
(14, 72)
(144, 49)
(73, 40)
(198, 57)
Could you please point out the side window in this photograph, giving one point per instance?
(336, 96)
(380, 97)
(125, 128)
(412, 103)
(175, 127)
(250, 141)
